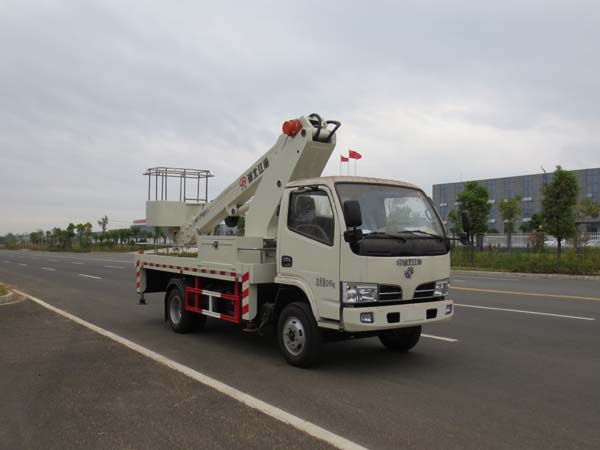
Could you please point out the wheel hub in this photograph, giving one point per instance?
(175, 309)
(293, 335)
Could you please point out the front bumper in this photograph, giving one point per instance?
(396, 316)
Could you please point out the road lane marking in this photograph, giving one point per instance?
(524, 312)
(92, 259)
(7, 262)
(53, 260)
(48, 268)
(115, 267)
(491, 278)
(75, 262)
(530, 294)
(439, 338)
(21, 264)
(89, 276)
(247, 399)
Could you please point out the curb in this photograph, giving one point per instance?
(556, 276)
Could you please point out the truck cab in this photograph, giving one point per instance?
(360, 277)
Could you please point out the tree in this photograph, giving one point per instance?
(80, 228)
(510, 209)
(36, 237)
(87, 232)
(559, 202)
(70, 234)
(103, 222)
(533, 224)
(588, 208)
(241, 227)
(135, 232)
(455, 221)
(474, 198)
(157, 234)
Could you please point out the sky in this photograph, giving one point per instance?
(94, 92)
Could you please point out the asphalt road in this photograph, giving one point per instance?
(520, 369)
(66, 387)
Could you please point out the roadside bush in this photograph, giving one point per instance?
(587, 262)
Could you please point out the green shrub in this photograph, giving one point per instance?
(585, 263)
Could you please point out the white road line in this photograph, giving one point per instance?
(7, 262)
(115, 267)
(75, 262)
(89, 276)
(491, 278)
(91, 259)
(48, 268)
(439, 338)
(247, 399)
(525, 312)
(21, 264)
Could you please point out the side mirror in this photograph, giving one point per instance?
(467, 222)
(464, 238)
(353, 219)
(352, 214)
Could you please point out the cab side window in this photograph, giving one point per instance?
(310, 214)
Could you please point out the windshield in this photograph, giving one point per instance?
(392, 209)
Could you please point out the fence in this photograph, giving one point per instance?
(520, 240)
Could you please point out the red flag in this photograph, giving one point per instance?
(343, 158)
(354, 155)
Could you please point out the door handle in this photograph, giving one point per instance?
(287, 261)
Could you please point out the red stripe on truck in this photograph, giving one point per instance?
(245, 277)
(245, 309)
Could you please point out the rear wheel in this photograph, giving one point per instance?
(402, 339)
(182, 321)
(298, 335)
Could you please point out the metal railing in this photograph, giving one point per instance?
(158, 183)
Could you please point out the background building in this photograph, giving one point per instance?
(528, 187)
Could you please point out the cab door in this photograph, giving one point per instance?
(308, 246)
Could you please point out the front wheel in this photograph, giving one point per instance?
(402, 339)
(298, 335)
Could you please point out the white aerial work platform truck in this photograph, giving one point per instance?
(320, 258)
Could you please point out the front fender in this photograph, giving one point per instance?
(305, 288)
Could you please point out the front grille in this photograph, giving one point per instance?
(425, 290)
(389, 293)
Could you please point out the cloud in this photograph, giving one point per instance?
(93, 93)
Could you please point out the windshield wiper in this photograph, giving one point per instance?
(430, 235)
(383, 235)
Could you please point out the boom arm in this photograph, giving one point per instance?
(302, 153)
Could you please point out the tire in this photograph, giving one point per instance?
(402, 339)
(298, 335)
(182, 321)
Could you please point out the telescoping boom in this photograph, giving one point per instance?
(302, 151)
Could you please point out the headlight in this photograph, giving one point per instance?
(441, 288)
(359, 293)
